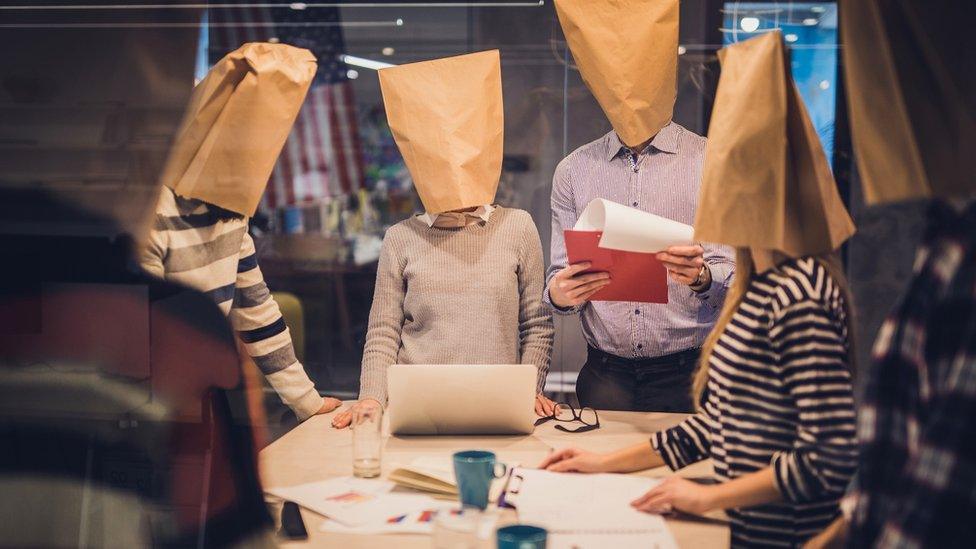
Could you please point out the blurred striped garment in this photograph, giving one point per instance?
(208, 249)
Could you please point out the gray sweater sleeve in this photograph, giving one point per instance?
(385, 322)
(535, 319)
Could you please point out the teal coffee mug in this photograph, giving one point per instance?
(474, 470)
(521, 536)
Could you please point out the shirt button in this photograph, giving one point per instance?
(636, 311)
(640, 346)
(635, 204)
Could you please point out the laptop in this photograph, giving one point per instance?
(455, 399)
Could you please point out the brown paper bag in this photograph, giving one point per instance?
(766, 183)
(446, 117)
(911, 91)
(627, 53)
(236, 124)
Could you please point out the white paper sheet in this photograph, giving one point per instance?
(568, 503)
(354, 501)
(603, 541)
(628, 229)
(418, 522)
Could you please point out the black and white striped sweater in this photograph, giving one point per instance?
(780, 396)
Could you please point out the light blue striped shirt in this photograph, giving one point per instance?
(664, 180)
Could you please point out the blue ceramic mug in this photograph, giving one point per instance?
(521, 536)
(474, 470)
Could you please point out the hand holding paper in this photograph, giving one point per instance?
(623, 241)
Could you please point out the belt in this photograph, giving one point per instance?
(602, 356)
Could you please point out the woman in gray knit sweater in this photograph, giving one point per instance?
(463, 283)
(464, 289)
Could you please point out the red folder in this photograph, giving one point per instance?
(634, 276)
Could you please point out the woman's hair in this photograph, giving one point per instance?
(745, 270)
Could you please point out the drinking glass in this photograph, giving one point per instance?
(367, 441)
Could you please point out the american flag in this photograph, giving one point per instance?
(322, 157)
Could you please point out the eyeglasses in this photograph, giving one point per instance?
(567, 414)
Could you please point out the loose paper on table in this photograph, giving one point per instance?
(568, 504)
(354, 501)
(623, 241)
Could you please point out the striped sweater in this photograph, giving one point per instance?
(208, 249)
(780, 396)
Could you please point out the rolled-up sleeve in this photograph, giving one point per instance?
(813, 358)
(721, 263)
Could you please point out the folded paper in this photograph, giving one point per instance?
(627, 53)
(766, 183)
(446, 117)
(623, 241)
(911, 98)
(630, 229)
(236, 123)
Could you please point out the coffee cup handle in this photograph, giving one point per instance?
(502, 473)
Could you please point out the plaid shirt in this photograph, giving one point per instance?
(917, 422)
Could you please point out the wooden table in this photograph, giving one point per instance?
(315, 451)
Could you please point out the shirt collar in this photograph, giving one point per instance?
(665, 141)
(483, 213)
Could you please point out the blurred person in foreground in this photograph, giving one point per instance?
(911, 92)
(461, 283)
(776, 375)
(133, 436)
(234, 129)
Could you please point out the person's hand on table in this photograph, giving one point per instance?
(574, 460)
(329, 404)
(684, 264)
(343, 419)
(676, 493)
(543, 406)
(570, 287)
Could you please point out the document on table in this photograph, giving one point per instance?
(578, 504)
(623, 241)
(354, 501)
(417, 522)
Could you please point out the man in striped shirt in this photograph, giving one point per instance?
(641, 356)
(205, 247)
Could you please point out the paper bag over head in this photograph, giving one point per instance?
(632, 230)
(766, 184)
(911, 98)
(236, 123)
(627, 53)
(446, 117)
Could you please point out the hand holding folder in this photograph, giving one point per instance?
(623, 241)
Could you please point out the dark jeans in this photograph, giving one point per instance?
(660, 384)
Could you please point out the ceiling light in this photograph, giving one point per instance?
(352, 74)
(810, 21)
(791, 37)
(298, 5)
(682, 50)
(364, 63)
(388, 51)
(749, 24)
(824, 85)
